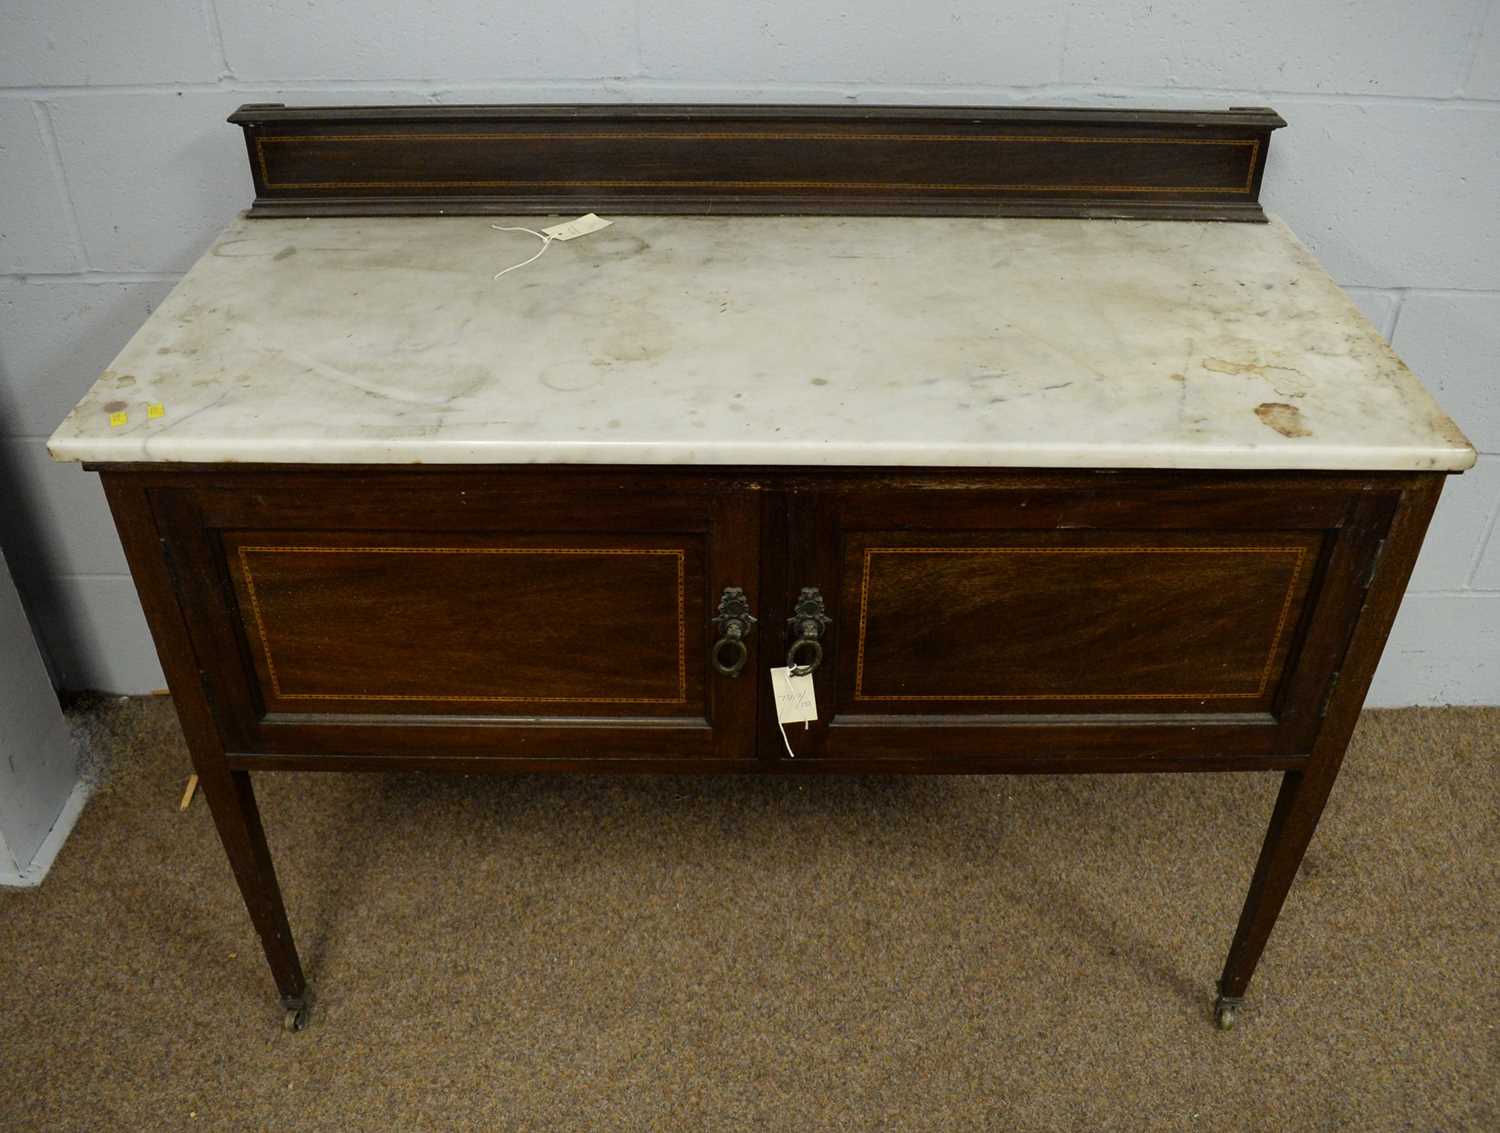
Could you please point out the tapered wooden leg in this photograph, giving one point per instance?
(230, 798)
(1293, 821)
(232, 803)
(1306, 790)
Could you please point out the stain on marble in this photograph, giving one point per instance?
(238, 249)
(567, 379)
(633, 351)
(1448, 429)
(1285, 419)
(1256, 369)
(616, 244)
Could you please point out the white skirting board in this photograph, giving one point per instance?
(13, 876)
(40, 791)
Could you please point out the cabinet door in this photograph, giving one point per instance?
(513, 615)
(1186, 621)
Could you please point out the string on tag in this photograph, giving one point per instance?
(570, 230)
(545, 238)
(795, 700)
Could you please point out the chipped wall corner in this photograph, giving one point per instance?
(41, 795)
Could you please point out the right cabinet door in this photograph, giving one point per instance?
(1187, 620)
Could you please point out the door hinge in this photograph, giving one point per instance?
(1374, 565)
(1333, 684)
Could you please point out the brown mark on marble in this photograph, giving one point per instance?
(125, 380)
(1223, 366)
(285, 252)
(1285, 419)
(563, 380)
(619, 244)
(1450, 432)
(633, 351)
(114, 406)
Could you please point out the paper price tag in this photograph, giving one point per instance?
(580, 227)
(795, 702)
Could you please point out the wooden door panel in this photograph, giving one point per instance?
(462, 616)
(1071, 622)
(380, 622)
(975, 626)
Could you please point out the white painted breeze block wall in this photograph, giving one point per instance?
(116, 168)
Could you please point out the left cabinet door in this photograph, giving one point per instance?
(530, 618)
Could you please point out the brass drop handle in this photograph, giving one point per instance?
(806, 626)
(735, 623)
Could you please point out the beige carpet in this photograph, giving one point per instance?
(766, 954)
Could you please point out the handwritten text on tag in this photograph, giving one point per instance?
(795, 703)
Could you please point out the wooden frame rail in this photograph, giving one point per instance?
(881, 160)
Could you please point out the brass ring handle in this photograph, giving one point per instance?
(741, 655)
(735, 622)
(804, 643)
(808, 621)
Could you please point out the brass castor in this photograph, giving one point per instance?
(1225, 1010)
(295, 1018)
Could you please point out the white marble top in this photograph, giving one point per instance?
(764, 340)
